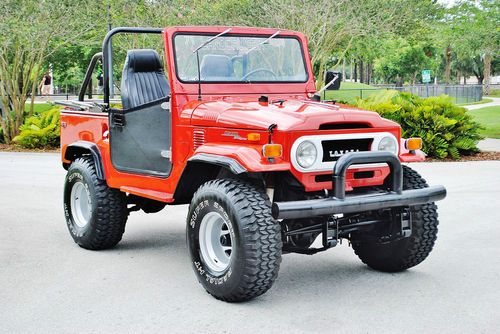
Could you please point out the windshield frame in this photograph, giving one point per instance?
(263, 36)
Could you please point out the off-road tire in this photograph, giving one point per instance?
(108, 208)
(256, 255)
(404, 253)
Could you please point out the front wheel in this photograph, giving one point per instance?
(234, 243)
(404, 253)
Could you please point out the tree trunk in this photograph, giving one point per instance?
(369, 71)
(33, 92)
(361, 72)
(356, 71)
(343, 69)
(350, 71)
(447, 69)
(486, 73)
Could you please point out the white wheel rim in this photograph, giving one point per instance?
(81, 205)
(215, 242)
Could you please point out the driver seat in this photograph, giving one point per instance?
(143, 79)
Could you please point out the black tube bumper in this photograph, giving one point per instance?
(339, 204)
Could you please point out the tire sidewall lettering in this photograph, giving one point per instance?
(202, 208)
(77, 175)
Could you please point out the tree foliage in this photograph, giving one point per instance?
(24, 47)
(386, 40)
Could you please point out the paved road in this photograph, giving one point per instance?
(50, 285)
(489, 145)
(495, 102)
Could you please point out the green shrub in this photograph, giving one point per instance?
(40, 131)
(446, 129)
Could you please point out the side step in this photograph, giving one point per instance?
(151, 194)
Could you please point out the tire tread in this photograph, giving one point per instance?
(261, 237)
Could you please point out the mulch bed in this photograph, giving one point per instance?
(481, 156)
(15, 148)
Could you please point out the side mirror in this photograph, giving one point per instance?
(329, 76)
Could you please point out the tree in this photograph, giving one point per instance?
(29, 29)
(478, 31)
(404, 61)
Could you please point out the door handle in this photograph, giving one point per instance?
(119, 120)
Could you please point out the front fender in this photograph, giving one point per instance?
(239, 159)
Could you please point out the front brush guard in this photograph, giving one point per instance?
(340, 204)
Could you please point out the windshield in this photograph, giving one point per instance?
(240, 59)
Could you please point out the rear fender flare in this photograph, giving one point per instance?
(80, 148)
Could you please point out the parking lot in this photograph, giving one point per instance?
(50, 285)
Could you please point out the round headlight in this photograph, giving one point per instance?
(388, 144)
(306, 154)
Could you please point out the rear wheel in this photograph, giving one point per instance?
(404, 253)
(234, 243)
(95, 214)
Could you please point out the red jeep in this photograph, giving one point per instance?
(235, 128)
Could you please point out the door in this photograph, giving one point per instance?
(140, 139)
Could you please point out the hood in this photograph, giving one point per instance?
(287, 114)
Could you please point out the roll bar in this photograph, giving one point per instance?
(107, 58)
(88, 75)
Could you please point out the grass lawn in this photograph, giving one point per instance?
(350, 91)
(39, 107)
(494, 93)
(489, 117)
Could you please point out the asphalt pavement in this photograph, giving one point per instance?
(50, 285)
(495, 101)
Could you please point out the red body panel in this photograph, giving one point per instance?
(224, 117)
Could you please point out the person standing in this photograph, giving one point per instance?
(45, 84)
(100, 82)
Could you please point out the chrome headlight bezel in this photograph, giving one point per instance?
(388, 144)
(312, 154)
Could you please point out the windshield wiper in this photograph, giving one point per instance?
(208, 41)
(263, 42)
(202, 45)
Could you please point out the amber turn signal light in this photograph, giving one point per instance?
(272, 150)
(253, 136)
(413, 144)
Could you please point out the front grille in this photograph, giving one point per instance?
(334, 149)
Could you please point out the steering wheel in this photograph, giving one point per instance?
(259, 70)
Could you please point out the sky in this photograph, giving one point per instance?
(447, 3)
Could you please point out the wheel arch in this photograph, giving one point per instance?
(202, 168)
(84, 148)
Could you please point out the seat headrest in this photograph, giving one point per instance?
(216, 66)
(143, 60)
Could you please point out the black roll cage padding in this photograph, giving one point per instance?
(345, 161)
(88, 75)
(106, 54)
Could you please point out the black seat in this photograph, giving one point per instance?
(143, 79)
(216, 68)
